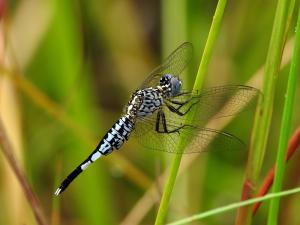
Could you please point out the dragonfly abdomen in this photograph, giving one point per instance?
(116, 136)
(113, 139)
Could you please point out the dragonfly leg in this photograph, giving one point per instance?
(161, 116)
(180, 103)
(157, 121)
(183, 93)
(177, 110)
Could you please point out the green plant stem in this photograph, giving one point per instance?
(215, 27)
(264, 110)
(265, 107)
(236, 205)
(285, 126)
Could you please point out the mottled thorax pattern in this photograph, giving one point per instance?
(151, 102)
(143, 103)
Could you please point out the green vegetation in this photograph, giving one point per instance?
(233, 206)
(69, 67)
(285, 125)
(162, 212)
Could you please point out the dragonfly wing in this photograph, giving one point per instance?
(206, 139)
(147, 136)
(192, 139)
(212, 103)
(174, 64)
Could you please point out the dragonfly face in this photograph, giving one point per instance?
(171, 85)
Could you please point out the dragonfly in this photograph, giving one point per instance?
(160, 113)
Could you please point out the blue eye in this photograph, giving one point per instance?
(175, 86)
(168, 76)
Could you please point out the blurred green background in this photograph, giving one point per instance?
(87, 57)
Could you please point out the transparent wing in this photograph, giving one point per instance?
(193, 139)
(174, 64)
(211, 103)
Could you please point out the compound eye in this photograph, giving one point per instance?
(167, 76)
(176, 86)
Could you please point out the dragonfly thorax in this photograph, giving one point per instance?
(134, 105)
(144, 102)
(170, 85)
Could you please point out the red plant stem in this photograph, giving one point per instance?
(2, 8)
(294, 143)
(8, 152)
(246, 194)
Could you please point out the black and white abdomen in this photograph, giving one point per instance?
(113, 139)
(151, 102)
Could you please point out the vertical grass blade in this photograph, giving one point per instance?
(264, 110)
(215, 27)
(285, 126)
(265, 107)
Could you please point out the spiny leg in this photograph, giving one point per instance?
(161, 116)
(157, 121)
(164, 121)
(176, 110)
(179, 102)
(183, 93)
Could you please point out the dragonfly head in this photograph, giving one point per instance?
(170, 84)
